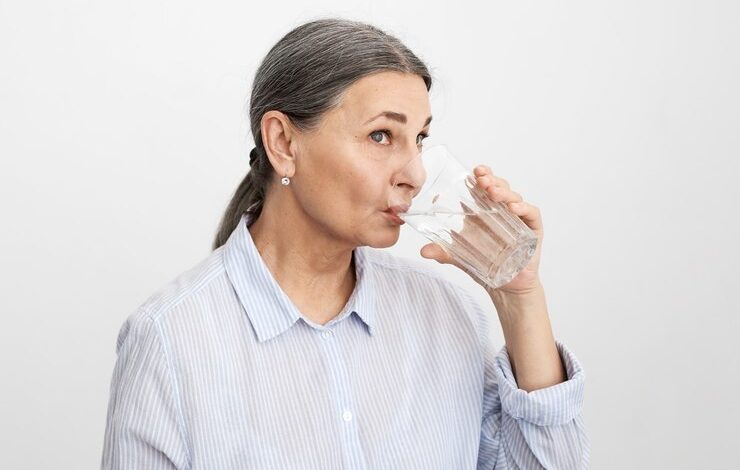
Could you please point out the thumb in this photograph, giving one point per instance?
(434, 251)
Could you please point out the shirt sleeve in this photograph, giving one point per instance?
(541, 429)
(144, 422)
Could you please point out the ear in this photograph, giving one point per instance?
(277, 137)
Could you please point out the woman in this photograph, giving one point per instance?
(297, 345)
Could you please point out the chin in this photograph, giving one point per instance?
(384, 238)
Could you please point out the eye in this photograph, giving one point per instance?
(423, 136)
(382, 131)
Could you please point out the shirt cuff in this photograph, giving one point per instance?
(554, 405)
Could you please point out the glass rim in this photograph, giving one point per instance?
(448, 159)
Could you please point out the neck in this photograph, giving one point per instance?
(311, 267)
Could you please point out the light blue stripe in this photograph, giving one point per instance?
(219, 370)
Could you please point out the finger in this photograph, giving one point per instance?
(529, 213)
(482, 170)
(435, 252)
(501, 194)
(488, 180)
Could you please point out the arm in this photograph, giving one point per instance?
(531, 419)
(534, 358)
(536, 429)
(144, 426)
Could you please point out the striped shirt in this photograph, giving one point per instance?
(219, 370)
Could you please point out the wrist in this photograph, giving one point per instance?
(515, 305)
(534, 290)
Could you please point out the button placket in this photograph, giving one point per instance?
(339, 376)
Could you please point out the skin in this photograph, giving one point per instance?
(341, 178)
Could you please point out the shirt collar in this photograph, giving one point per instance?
(269, 309)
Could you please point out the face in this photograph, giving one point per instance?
(347, 168)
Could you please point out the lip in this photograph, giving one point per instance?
(398, 208)
(393, 217)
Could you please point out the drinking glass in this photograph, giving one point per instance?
(488, 240)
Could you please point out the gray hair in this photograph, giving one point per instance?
(304, 75)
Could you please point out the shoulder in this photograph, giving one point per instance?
(416, 273)
(382, 260)
(413, 274)
(164, 301)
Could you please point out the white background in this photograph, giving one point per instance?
(123, 133)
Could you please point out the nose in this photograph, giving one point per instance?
(411, 176)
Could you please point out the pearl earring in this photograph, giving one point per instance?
(285, 181)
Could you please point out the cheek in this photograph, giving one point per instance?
(366, 191)
(348, 182)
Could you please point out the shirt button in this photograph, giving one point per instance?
(347, 415)
(326, 334)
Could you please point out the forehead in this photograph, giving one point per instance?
(386, 91)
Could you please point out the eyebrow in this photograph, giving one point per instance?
(400, 117)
